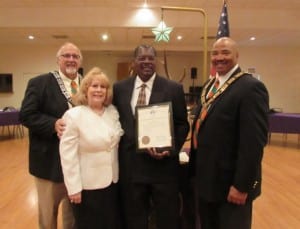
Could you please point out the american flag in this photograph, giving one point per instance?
(223, 30)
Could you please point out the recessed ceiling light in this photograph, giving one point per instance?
(104, 37)
(30, 37)
(179, 37)
(252, 38)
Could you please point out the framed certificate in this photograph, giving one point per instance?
(155, 126)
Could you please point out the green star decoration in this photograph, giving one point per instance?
(162, 32)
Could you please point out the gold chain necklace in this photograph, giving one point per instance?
(219, 91)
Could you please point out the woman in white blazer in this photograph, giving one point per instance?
(89, 153)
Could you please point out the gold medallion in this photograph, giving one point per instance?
(145, 140)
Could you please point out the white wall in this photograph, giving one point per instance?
(278, 69)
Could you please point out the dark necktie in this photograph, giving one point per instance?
(142, 96)
(203, 113)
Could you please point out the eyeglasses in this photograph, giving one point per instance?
(68, 56)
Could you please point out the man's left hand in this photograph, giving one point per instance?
(153, 152)
(236, 197)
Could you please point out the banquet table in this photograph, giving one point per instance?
(10, 119)
(286, 123)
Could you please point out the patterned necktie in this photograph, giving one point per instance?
(142, 96)
(203, 112)
(214, 89)
(73, 87)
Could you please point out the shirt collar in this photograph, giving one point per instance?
(223, 78)
(149, 83)
(65, 78)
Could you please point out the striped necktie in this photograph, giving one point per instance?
(203, 112)
(74, 87)
(142, 96)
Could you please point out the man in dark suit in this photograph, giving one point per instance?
(46, 99)
(151, 175)
(230, 132)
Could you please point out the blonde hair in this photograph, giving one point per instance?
(94, 74)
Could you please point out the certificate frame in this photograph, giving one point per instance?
(154, 127)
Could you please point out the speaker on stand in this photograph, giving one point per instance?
(193, 76)
(193, 91)
(80, 71)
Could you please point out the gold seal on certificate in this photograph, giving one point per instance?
(155, 126)
(145, 140)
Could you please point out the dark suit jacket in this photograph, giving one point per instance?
(231, 141)
(140, 166)
(43, 104)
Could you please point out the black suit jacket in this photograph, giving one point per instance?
(231, 141)
(140, 166)
(42, 105)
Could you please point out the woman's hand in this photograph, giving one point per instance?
(75, 198)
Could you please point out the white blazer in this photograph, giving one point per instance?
(89, 148)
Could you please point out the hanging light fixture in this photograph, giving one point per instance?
(145, 5)
(162, 32)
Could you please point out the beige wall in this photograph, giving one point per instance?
(178, 64)
(277, 67)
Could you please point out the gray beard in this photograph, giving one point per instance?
(71, 71)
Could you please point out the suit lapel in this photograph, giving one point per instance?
(157, 94)
(216, 101)
(128, 89)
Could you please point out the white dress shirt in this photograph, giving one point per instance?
(224, 78)
(67, 82)
(136, 90)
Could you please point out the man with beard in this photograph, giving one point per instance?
(229, 134)
(46, 99)
(151, 175)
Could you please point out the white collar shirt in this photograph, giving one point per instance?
(67, 81)
(136, 89)
(224, 78)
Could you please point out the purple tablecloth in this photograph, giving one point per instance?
(11, 118)
(284, 123)
(8, 118)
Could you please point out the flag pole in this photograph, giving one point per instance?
(204, 68)
(223, 30)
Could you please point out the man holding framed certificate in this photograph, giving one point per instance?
(155, 131)
(155, 127)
